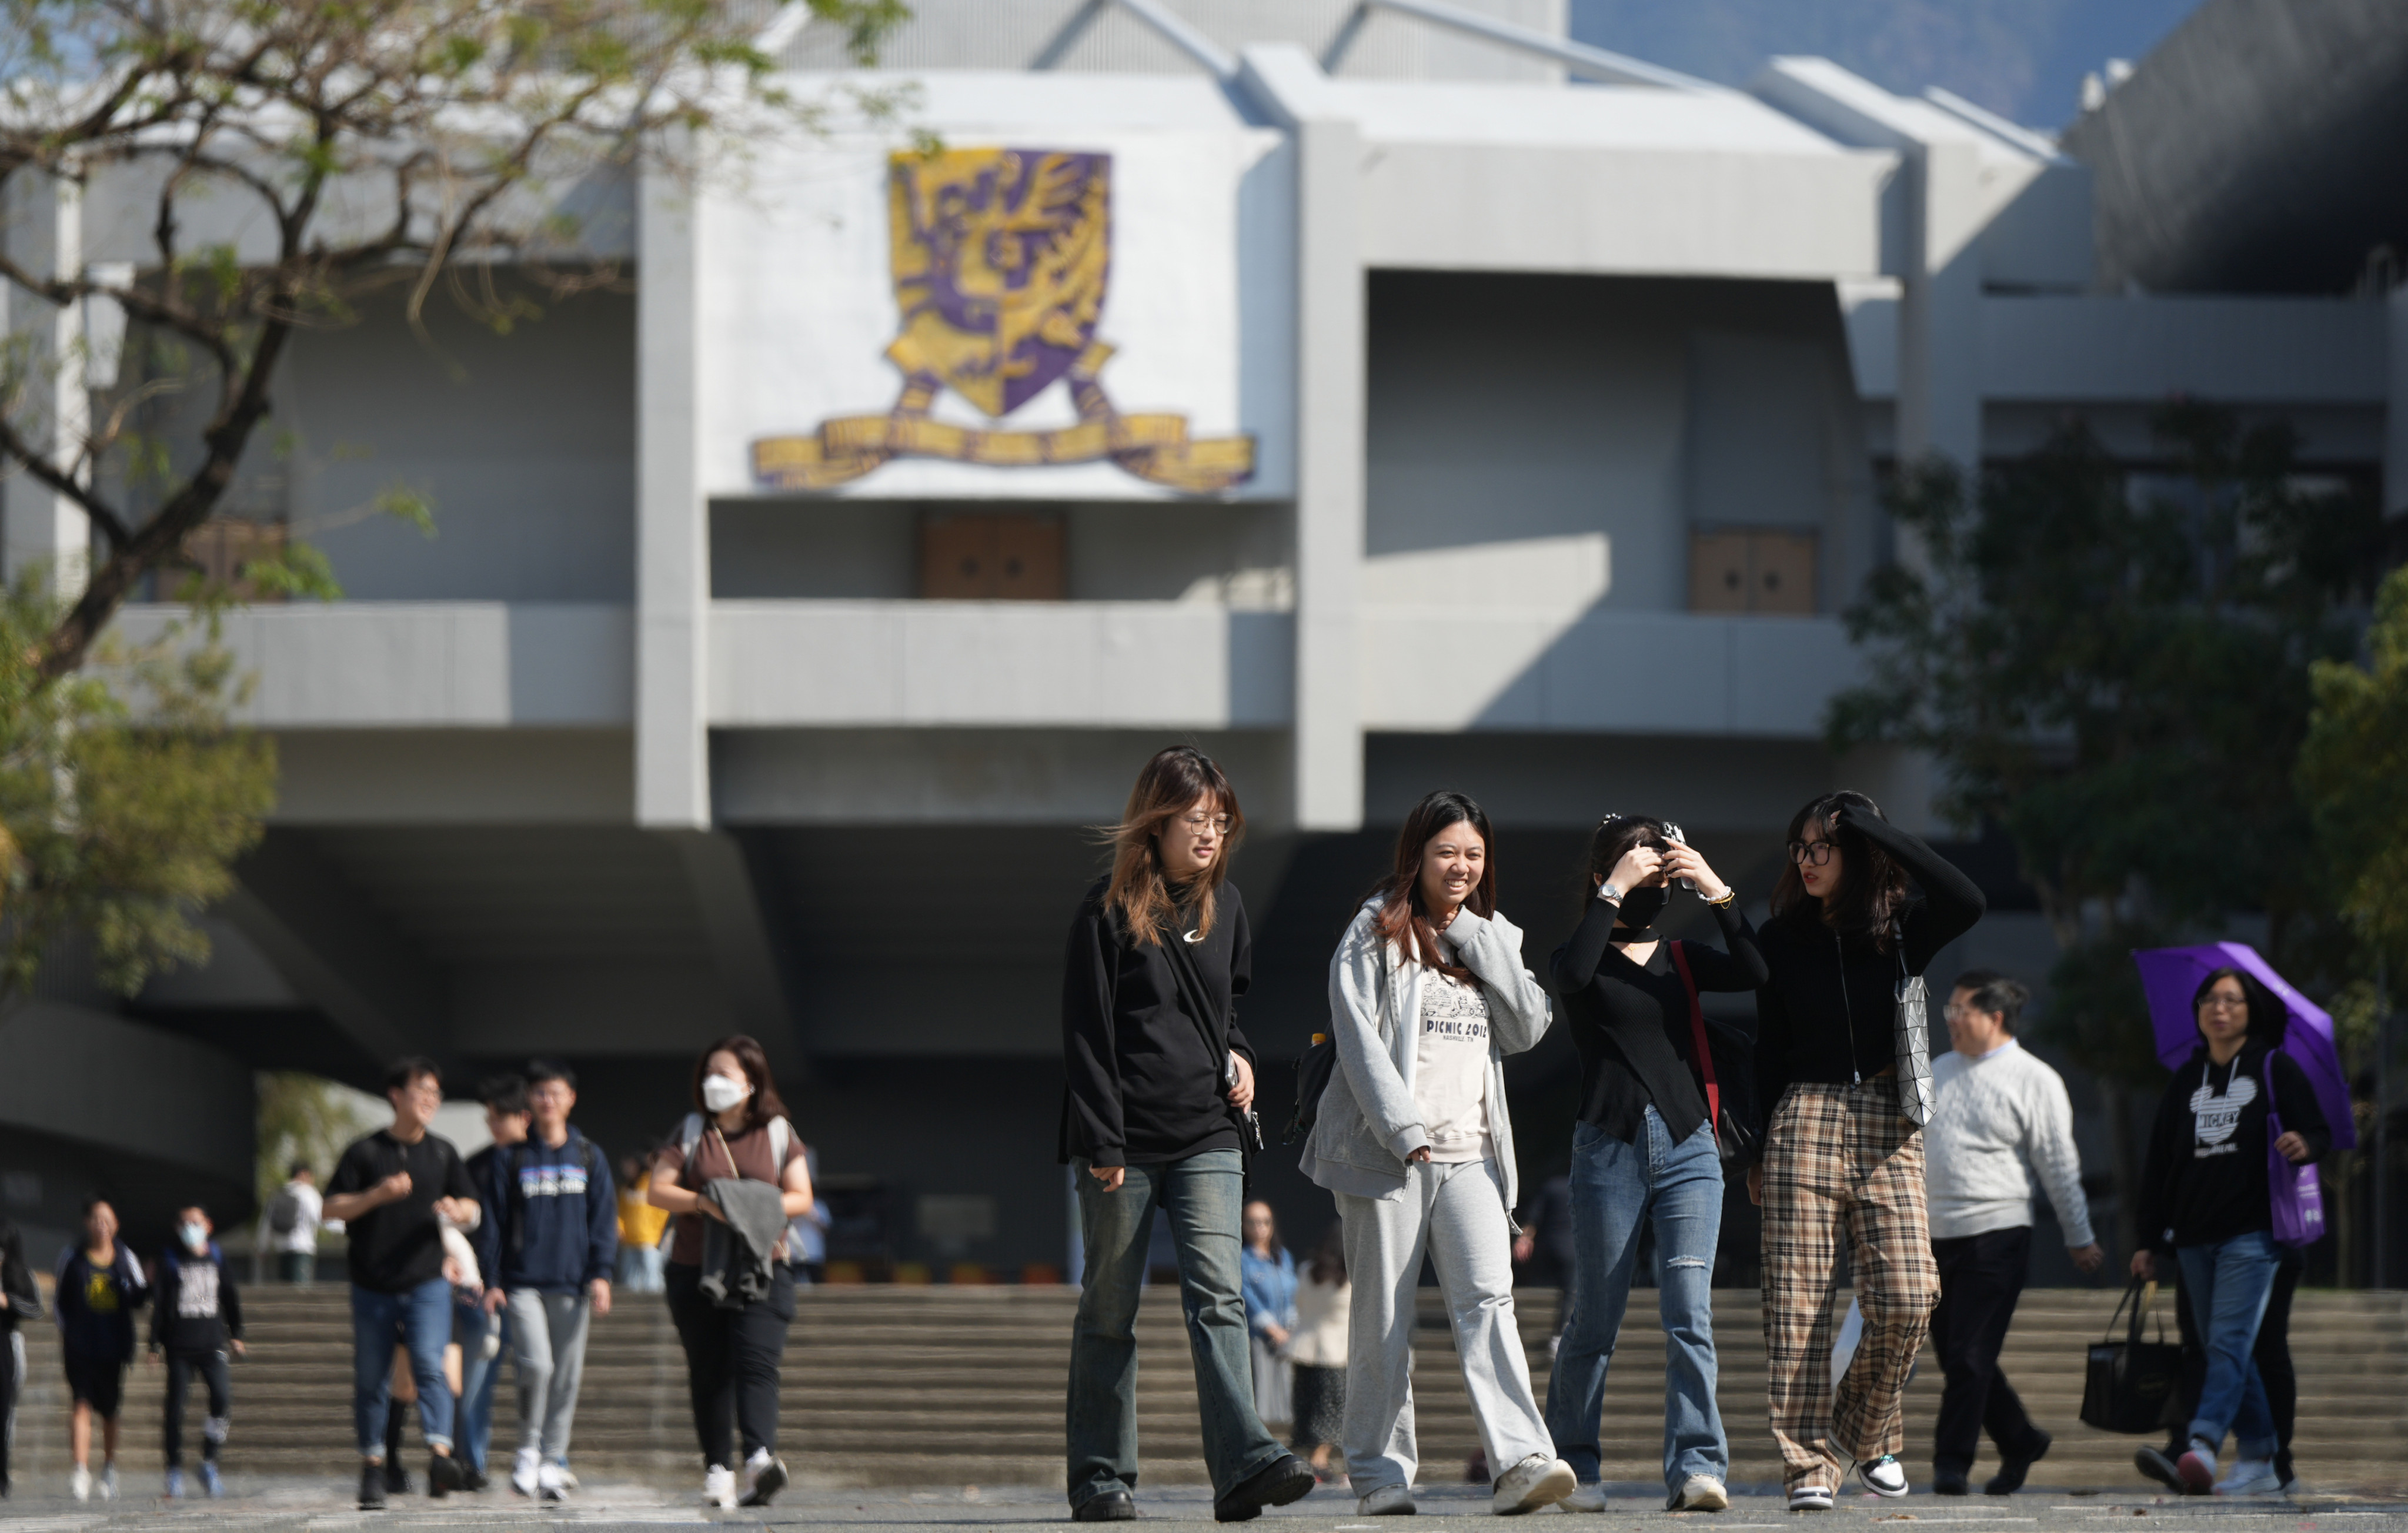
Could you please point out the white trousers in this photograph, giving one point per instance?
(1455, 1215)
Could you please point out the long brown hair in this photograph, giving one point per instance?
(1403, 919)
(765, 1102)
(1166, 788)
(1872, 886)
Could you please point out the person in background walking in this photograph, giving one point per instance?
(1266, 1279)
(1543, 1249)
(20, 1302)
(480, 1327)
(388, 1189)
(551, 1252)
(735, 1172)
(1428, 995)
(1644, 1150)
(2205, 1193)
(640, 1228)
(1999, 1116)
(1149, 1106)
(100, 1286)
(1318, 1354)
(293, 1219)
(195, 1320)
(1846, 1093)
(2273, 1356)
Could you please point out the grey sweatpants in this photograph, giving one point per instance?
(548, 1347)
(1456, 1215)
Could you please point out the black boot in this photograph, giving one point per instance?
(371, 1487)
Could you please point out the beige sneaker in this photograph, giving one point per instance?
(1699, 1493)
(1538, 1481)
(1586, 1498)
(1387, 1502)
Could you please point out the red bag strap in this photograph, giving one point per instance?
(1700, 1048)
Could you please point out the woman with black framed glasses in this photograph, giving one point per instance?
(1844, 1071)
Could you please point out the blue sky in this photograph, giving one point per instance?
(2024, 59)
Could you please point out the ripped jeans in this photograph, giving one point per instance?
(1618, 1191)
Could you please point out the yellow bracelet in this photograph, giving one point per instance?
(1728, 895)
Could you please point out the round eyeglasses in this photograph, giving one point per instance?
(1811, 853)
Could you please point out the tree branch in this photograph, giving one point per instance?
(38, 466)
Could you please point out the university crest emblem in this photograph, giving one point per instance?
(1001, 258)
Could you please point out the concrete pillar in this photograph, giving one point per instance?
(44, 234)
(1330, 301)
(1939, 317)
(672, 521)
(2395, 423)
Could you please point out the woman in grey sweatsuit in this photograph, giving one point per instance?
(1428, 995)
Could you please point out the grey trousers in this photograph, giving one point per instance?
(1456, 1213)
(548, 1348)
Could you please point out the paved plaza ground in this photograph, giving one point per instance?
(291, 1506)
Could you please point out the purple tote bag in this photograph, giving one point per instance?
(2297, 1194)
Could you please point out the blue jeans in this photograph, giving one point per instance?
(1617, 1190)
(419, 1319)
(479, 1374)
(2228, 1285)
(1201, 1198)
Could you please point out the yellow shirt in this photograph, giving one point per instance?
(640, 1222)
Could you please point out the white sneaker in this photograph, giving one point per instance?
(2250, 1477)
(1539, 1481)
(764, 1476)
(567, 1477)
(719, 1488)
(526, 1475)
(1699, 1493)
(1387, 1502)
(1586, 1498)
(551, 1483)
(80, 1483)
(108, 1481)
(1883, 1476)
(1811, 1498)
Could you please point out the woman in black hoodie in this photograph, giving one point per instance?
(1846, 1083)
(1157, 1075)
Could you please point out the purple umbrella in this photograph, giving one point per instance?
(2170, 976)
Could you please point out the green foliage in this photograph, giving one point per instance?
(2355, 772)
(2119, 680)
(305, 1118)
(124, 797)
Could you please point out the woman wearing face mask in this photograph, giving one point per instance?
(1845, 1094)
(738, 1133)
(195, 1321)
(2205, 1195)
(1644, 1155)
(1155, 1072)
(1428, 995)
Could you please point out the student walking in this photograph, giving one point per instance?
(1428, 995)
(1843, 1071)
(551, 1251)
(294, 1217)
(1267, 1279)
(20, 1302)
(733, 1177)
(100, 1284)
(196, 1321)
(389, 1189)
(640, 1228)
(480, 1327)
(1999, 1116)
(2273, 1356)
(2205, 1193)
(1317, 1351)
(1644, 1149)
(1156, 1115)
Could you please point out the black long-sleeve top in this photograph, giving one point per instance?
(1829, 1013)
(1141, 1086)
(2205, 1176)
(16, 1281)
(1632, 1024)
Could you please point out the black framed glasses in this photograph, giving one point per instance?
(1811, 853)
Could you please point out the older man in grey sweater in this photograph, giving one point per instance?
(2000, 1115)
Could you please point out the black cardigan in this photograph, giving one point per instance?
(1828, 1014)
(1141, 1086)
(2205, 1181)
(1632, 1023)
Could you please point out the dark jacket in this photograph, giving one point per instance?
(1141, 1085)
(204, 1320)
(551, 1216)
(2205, 1178)
(1829, 1013)
(16, 1281)
(95, 1305)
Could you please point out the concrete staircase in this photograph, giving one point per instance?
(942, 1385)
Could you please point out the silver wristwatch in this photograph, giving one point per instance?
(1609, 893)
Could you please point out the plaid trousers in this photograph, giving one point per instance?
(1841, 1160)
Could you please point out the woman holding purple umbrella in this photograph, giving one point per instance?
(2207, 1198)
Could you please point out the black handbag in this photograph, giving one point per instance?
(2128, 1385)
(1313, 1069)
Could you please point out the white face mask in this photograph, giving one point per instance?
(719, 1093)
(197, 1237)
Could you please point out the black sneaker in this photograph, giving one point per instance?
(444, 1475)
(2010, 1478)
(473, 1479)
(1950, 1483)
(1285, 1478)
(397, 1479)
(2159, 1465)
(1112, 1506)
(372, 1487)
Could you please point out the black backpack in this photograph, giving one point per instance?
(1313, 1069)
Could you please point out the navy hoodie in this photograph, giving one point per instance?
(94, 1305)
(555, 1225)
(194, 1308)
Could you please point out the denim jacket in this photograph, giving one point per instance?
(1368, 1123)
